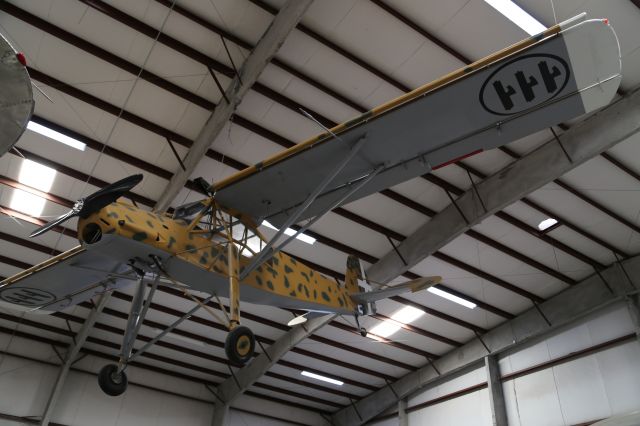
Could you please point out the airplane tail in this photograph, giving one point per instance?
(352, 275)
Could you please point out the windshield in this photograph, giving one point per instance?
(188, 211)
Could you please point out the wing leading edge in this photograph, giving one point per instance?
(64, 280)
(553, 77)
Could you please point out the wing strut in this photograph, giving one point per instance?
(353, 190)
(268, 249)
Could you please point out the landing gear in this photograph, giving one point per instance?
(239, 345)
(240, 342)
(111, 381)
(363, 331)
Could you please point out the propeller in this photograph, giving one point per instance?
(94, 202)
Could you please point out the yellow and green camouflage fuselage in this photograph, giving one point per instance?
(281, 281)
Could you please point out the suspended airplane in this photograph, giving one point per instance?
(214, 246)
(16, 96)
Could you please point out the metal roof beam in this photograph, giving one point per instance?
(563, 309)
(284, 22)
(611, 125)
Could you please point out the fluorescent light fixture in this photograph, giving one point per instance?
(302, 237)
(36, 176)
(547, 223)
(324, 379)
(56, 136)
(517, 16)
(453, 298)
(406, 315)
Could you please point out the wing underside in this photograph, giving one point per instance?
(553, 80)
(64, 280)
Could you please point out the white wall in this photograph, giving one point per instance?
(585, 389)
(26, 384)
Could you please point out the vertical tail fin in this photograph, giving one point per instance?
(352, 275)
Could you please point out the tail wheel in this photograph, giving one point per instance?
(111, 382)
(239, 345)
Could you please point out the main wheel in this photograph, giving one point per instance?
(111, 382)
(239, 345)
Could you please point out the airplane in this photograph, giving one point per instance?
(214, 246)
(16, 95)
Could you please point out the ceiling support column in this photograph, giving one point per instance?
(284, 22)
(220, 413)
(80, 338)
(403, 416)
(633, 304)
(496, 397)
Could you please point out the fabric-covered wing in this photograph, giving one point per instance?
(64, 280)
(523, 89)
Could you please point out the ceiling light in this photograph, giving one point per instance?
(453, 298)
(302, 237)
(36, 176)
(406, 315)
(323, 378)
(547, 223)
(517, 16)
(56, 136)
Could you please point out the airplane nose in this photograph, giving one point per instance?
(92, 233)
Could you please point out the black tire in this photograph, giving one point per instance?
(110, 382)
(363, 332)
(239, 345)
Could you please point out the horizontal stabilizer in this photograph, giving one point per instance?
(410, 286)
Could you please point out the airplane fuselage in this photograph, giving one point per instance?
(192, 258)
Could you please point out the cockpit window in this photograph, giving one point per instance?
(187, 212)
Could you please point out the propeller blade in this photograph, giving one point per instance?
(47, 226)
(94, 202)
(108, 195)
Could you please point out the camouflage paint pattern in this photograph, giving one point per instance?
(281, 275)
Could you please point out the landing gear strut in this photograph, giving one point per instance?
(240, 342)
(363, 331)
(112, 378)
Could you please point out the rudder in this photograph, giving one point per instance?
(352, 275)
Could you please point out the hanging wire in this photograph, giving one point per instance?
(553, 9)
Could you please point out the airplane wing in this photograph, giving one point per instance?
(410, 286)
(16, 96)
(64, 280)
(555, 76)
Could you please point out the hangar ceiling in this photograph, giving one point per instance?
(133, 94)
